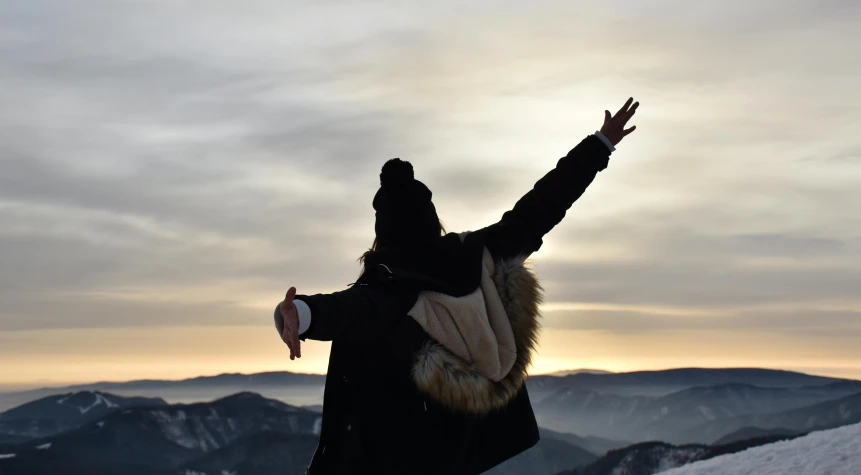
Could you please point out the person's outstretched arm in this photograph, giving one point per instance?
(360, 312)
(520, 231)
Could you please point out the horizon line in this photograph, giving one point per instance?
(22, 386)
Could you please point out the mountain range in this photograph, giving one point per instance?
(241, 434)
(300, 388)
(698, 414)
(307, 389)
(825, 415)
(570, 372)
(661, 383)
(170, 437)
(251, 435)
(54, 414)
(585, 425)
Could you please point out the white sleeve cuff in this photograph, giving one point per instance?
(605, 140)
(304, 312)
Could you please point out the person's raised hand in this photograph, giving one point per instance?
(614, 126)
(291, 324)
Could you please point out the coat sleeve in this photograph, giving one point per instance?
(360, 312)
(520, 231)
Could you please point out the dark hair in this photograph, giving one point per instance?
(376, 247)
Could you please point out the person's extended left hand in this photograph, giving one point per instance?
(614, 126)
(291, 324)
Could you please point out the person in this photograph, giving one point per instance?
(431, 345)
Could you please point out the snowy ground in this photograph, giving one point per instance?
(831, 452)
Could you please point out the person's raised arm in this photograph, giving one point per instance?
(520, 231)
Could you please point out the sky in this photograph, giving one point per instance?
(169, 168)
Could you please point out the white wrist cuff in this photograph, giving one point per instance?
(304, 312)
(605, 140)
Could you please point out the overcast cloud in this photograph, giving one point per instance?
(173, 164)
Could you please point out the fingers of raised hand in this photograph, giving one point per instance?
(633, 109)
(625, 107)
(607, 116)
(626, 115)
(628, 131)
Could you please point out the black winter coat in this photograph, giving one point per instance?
(375, 420)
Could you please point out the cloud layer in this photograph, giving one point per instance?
(177, 165)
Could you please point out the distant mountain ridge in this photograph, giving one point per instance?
(218, 385)
(247, 434)
(596, 445)
(677, 406)
(306, 389)
(569, 372)
(243, 434)
(165, 438)
(750, 432)
(73, 406)
(54, 414)
(591, 378)
(676, 417)
(661, 383)
(273, 378)
(824, 415)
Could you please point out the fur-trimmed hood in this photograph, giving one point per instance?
(481, 343)
(481, 313)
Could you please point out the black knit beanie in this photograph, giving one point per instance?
(405, 213)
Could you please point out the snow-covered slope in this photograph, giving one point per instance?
(833, 452)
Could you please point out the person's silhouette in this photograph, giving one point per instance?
(430, 347)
